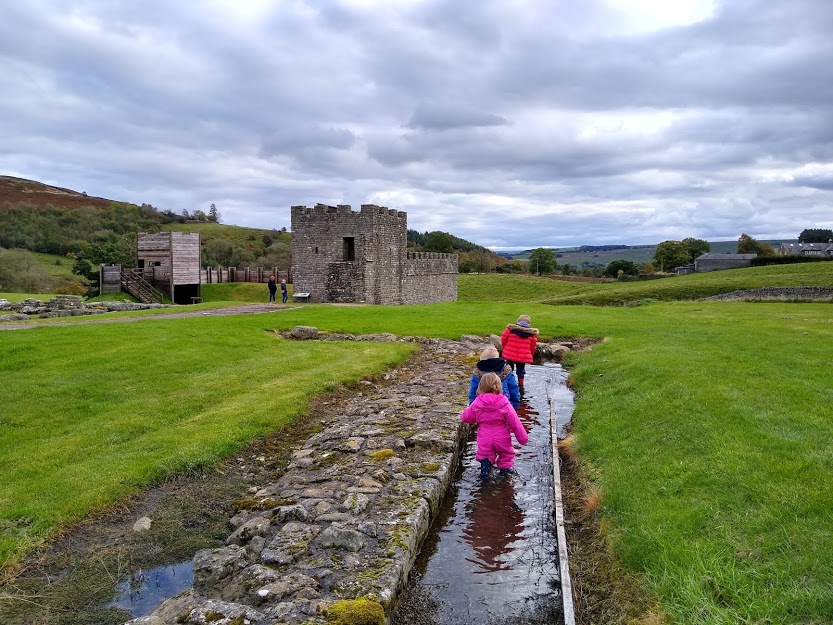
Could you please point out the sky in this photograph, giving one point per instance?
(510, 123)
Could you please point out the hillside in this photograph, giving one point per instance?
(55, 222)
(21, 192)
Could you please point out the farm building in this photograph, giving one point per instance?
(714, 262)
(806, 249)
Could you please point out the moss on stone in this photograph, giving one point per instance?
(382, 454)
(430, 467)
(356, 612)
(262, 503)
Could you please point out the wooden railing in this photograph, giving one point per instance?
(134, 283)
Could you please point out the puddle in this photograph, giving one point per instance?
(154, 586)
(492, 553)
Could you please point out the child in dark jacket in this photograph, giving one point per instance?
(495, 419)
(519, 342)
(490, 362)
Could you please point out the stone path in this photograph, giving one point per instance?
(243, 309)
(346, 519)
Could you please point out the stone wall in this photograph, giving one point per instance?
(341, 255)
(429, 278)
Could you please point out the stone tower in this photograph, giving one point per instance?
(340, 255)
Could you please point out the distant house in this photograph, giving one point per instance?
(684, 269)
(714, 262)
(806, 249)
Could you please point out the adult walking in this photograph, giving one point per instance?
(519, 341)
(273, 289)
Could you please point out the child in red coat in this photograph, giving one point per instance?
(519, 342)
(496, 418)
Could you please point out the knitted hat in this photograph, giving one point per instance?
(524, 321)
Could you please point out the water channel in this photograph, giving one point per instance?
(491, 556)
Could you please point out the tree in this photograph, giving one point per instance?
(748, 245)
(627, 267)
(696, 247)
(542, 260)
(815, 235)
(213, 214)
(670, 254)
(91, 255)
(439, 242)
(219, 253)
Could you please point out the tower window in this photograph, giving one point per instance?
(349, 248)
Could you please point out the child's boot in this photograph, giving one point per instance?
(506, 471)
(485, 469)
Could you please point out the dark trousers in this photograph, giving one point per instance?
(521, 368)
(283, 296)
(271, 297)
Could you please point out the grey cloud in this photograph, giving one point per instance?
(443, 117)
(486, 112)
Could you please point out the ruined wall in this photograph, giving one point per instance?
(341, 255)
(429, 278)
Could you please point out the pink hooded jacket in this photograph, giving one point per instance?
(496, 419)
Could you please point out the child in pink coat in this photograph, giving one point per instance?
(496, 418)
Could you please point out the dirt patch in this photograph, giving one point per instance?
(603, 592)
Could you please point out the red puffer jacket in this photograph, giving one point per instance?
(519, 343)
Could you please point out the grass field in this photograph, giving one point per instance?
(554, 290)
(705, 426)
(239, 292)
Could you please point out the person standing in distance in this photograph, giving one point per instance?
(273, 289)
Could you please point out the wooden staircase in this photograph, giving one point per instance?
(134, 283)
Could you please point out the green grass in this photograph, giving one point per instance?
(93, 413)
(705, 425)
(19, 297)
(239, 292)
(58, 266)
(553, 290)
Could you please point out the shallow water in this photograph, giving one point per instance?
(154, 586)
(491, 555)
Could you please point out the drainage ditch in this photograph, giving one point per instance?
(491, 556)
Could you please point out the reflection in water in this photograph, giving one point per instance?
(491, 556)
(495, 521)
(152, 587)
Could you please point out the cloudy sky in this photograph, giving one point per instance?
(505, 122)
